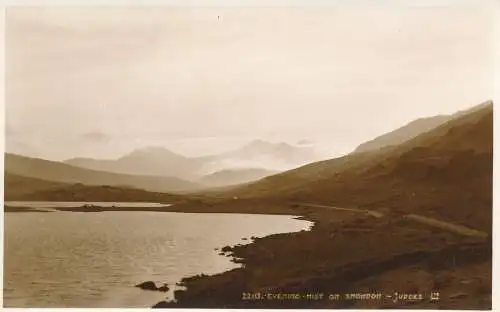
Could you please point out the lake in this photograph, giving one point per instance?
(88, 260)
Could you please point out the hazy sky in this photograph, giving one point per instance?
(101, 81)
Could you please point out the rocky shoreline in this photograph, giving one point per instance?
(346, 253)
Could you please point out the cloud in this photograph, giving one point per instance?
(305, 142)
(95, 136)
(168, 73)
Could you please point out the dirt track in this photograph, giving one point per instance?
(455, 228)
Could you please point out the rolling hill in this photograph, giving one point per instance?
(60, 172)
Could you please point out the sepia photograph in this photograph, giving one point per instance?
(314, 156)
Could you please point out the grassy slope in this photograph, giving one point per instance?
(30, 189)
(79, 192)
(16, 186)
(446, 172)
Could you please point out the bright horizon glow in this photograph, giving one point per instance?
(96, 82)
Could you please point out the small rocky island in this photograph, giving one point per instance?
(150, 285)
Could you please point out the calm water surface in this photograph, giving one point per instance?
(71, 259)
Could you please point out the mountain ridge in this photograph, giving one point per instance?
(413, 129)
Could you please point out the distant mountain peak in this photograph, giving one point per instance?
(156, 151)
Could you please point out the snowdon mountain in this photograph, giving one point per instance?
(159, 161)
(280, 152)
(154, 161)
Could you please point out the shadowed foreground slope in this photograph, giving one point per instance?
(444, 174)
